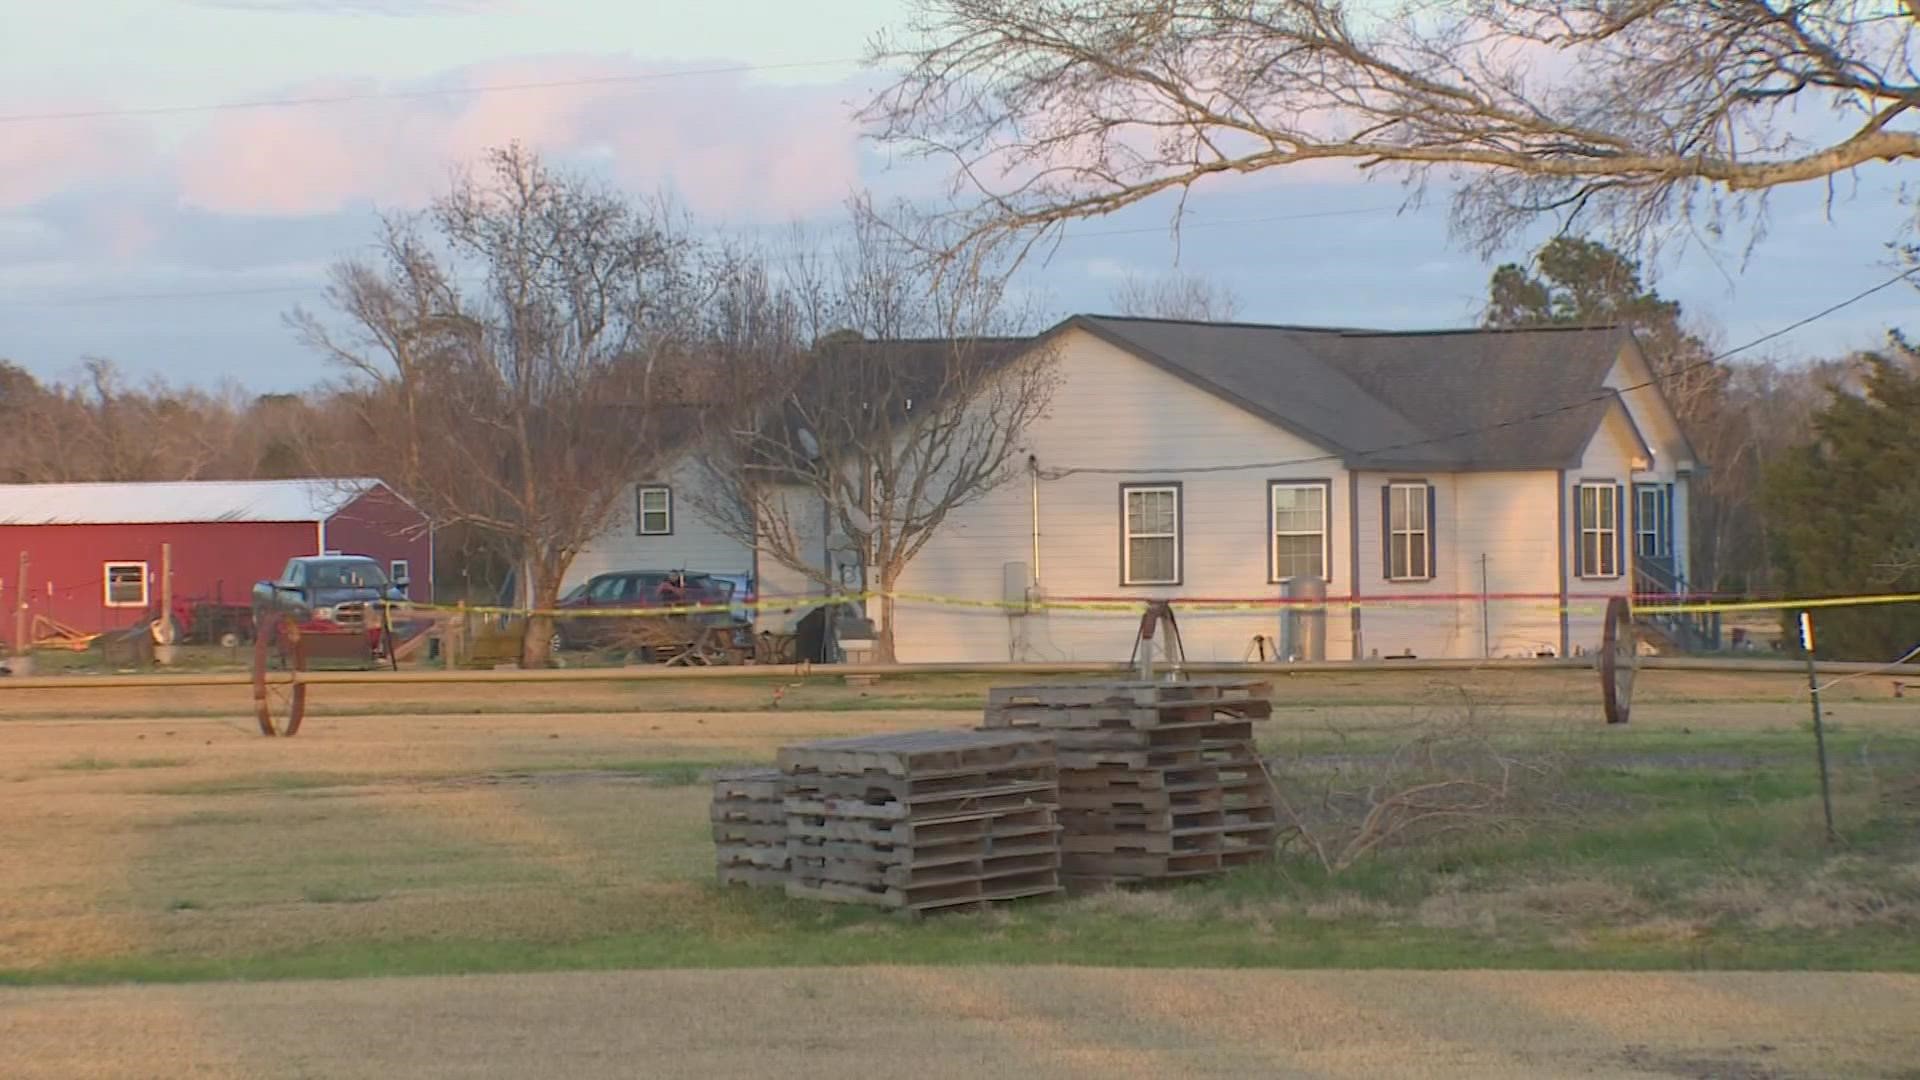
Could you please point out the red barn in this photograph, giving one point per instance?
(94, 550)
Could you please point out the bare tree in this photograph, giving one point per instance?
(1176, 296)
(1053, 110)
(526, 406)
(99, 426)
(900, 399)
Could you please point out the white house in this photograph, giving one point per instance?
(657, 530)
(1462, 493)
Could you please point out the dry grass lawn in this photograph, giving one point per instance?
(154, 834)
(1099, 1023)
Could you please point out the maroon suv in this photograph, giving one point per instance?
(639, 590)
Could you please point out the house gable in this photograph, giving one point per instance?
(1632, 376)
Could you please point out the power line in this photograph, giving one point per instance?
(265, 290)
(395, 95)
(1058, 474)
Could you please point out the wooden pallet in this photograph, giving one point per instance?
(910, 833)
(762, 855)
(1196, 737)
(875, 876)
(918, 753)
(749, 827)
(753, 784)
(960, 894)
(1036, 841)
(746, 832)
(763, 813)
(1016, 797)
(1106, 717)
(1123, 800)
(1187, 692)
(879, 786)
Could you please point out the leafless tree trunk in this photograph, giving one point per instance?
(527, 404)
(1176, 296)
(899, 400)
(1052, 110)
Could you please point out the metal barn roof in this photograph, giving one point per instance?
(178, 501)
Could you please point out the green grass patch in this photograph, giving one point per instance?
(1659, 850)
(259, 783)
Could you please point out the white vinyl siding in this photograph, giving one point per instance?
(653, 510)
(1598, 551)
(1150, 541)
(695, 544)
(125, 584)
(1409, 532)
(1299, 519)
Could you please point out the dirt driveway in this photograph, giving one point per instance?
(930, 1022)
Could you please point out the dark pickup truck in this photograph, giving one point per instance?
(334, 592)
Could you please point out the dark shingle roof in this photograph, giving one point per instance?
(1456, 400)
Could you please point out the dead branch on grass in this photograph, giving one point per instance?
(1441, 775)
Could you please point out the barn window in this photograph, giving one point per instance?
(1150, 535)
(654, 510)
(1299, 529)
(126, 584)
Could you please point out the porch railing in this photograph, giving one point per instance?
(1656, 582)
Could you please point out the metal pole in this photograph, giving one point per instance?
(166, 581)
(20, 609)
(1819, 723)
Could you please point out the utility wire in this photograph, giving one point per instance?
(395, 95)
(1057, 474)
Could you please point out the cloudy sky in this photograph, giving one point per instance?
(147, 215)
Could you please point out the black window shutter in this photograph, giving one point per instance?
(1619, 532)
(1666, 523)
(1632, 522)
(639, 513)
(1433, 532)
(1579, 519)
(1386, 531)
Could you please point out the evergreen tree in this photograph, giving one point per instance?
(1845, 509)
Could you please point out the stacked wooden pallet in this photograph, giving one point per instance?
(750, 827)
(923, 820)
(1158, 780)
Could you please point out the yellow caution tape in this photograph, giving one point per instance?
(1134, 607)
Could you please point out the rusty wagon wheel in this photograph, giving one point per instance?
(1619, 661)
(279, 700)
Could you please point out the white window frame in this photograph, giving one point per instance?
(106, 584)
(1417, 496)
(393, 570)
(640, 510)
(1607, 537)
(1128, 536)
(1274, 532)
(1655, 524)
